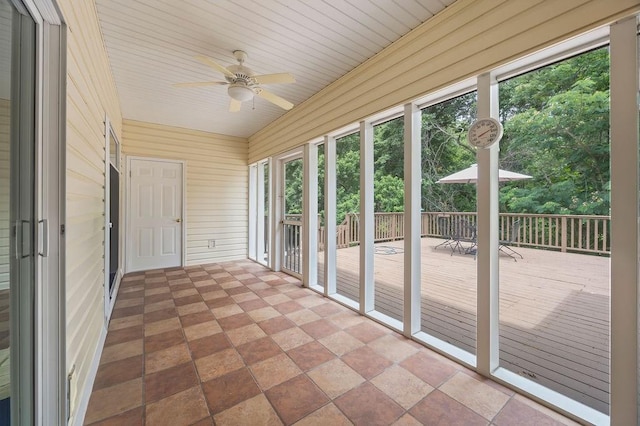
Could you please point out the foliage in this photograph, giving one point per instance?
(556, 123)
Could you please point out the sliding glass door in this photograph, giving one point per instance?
(17, 213)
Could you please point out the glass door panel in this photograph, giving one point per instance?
(555, 228)
(448, 301)
(292, 216)
(347, 216)
(17, 214)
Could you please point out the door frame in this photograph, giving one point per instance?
(128, 226)
(110, 296)
(277, 207)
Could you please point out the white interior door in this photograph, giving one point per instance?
(156, 191)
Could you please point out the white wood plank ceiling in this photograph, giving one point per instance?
(152, 44)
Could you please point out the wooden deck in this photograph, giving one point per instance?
(554, 310)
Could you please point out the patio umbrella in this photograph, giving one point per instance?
(470, 175)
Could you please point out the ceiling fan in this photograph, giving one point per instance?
(243, 83)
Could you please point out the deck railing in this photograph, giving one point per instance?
(566, 233)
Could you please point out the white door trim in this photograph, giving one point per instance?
(127, 219)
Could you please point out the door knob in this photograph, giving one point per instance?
(178, 220)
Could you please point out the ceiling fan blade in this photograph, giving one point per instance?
(234, 106)
(283, 77)
(275, 99)
(216, 66)
(200, 83)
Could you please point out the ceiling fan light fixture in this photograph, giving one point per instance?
(240, 92)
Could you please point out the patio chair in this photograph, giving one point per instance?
(462, 231)
(445, 228)
(505, 245)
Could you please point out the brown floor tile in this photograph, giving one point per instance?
(366, 332)
(210, 337)
(519, 413)
(288, 307)
(310, 355)
(428, 368)
(158, 327)
(197, 318)
(127, 312)
(392, 348)
(202, 329)
(327, 415)
(341, 343)
(133, 417)
(192, 308)
(258, 350)
(367, 405)
(130, 295)
(120, 323)
(226, 311)
(335, 378)
(276, 325)
(237, 290)
(170, 381)
(253, 411)
(228, 390)
(319, 329)
(438, 408)
(242, 335)
(235, 321)
(291, 338)
(155, 298)
(273, 371)
(124, 335)
(121, 351)
(296, 398)
(166, 358)
(118, 372)
(185, 291)
(218, 364)
(327, 309)
(208, 345)
(163, 340)
(264, 314)
(188, 300)
(478, 396)
(159, 315)
(181, 409)
(402, 386)
(114, 400)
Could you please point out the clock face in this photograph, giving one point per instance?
(484, 132)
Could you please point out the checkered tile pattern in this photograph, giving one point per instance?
(237, 344)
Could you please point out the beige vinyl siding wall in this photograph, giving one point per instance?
(5, 117)
(91, 94)
(466, 39)
(216, 185)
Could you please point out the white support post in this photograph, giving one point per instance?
(412, 219)
(624, 222)
(262, 226)
(330, 215)
(367, 284)
(487, 320)
(253, 214)
(310, 216)
(276, 180)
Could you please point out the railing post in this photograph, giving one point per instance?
(563, 234)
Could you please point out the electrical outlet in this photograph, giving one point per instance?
(212, 244)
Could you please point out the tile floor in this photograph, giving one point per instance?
(237, 344)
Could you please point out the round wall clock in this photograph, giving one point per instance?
(484, 132)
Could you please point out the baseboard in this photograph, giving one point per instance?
(77, 418)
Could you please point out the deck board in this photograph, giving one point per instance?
(554, 310)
